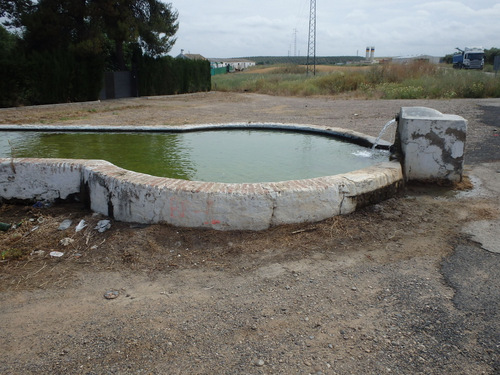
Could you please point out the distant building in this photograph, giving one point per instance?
(230, 65)
(190, 56)
(370, 53)
(234, 64)
(408, 59)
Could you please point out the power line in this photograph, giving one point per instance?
(301, 25)
(311, 44)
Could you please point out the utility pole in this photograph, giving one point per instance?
(311, 44)
(294, 42)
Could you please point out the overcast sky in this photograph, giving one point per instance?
(237, 28)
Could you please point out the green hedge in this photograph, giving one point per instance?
(49, 77)
(9, 69)
(9, 83)
(63, 76)
(167, 76)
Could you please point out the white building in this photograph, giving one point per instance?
(234, 64)
(190, 56)
(408, 59)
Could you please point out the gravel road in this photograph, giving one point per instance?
(396, 288)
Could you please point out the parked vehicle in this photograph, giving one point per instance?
(469, 58)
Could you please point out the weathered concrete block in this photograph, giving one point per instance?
(305, 201)
(432, 144)
(39, 179)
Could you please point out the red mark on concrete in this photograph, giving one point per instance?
(213, 222)
(177, 208)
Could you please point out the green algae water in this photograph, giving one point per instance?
(235, 156)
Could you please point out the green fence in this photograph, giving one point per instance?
(215, 71)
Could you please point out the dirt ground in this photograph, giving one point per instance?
(394, 288)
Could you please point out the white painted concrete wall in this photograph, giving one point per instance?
(432, 144)
(135, 197)
(26, 180)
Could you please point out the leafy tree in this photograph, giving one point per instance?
(51, 25)
(490, 55)
(64, 52)
(12, 11)
(157, 27)
(61, 47)
(92, 24)
(448, 59)
(150, 23)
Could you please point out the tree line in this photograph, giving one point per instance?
(302, 60)
(57, 50)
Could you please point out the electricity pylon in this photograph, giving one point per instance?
(311, 44)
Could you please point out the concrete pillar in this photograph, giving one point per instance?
(431, 145)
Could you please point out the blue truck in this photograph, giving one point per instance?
(469, 58)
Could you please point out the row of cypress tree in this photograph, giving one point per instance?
(57, 51)
(61, 76)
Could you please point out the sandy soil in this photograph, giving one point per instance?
(395, 288)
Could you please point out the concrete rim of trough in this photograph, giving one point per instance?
(135, 197)
(350, 135)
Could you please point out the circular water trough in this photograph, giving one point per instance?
(135, 197)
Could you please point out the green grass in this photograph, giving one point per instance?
(11, 254)
(419, 80)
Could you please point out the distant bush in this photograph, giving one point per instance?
(339, 82)
(393, 73)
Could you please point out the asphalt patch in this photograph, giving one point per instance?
(474, 274)
(490, 147)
